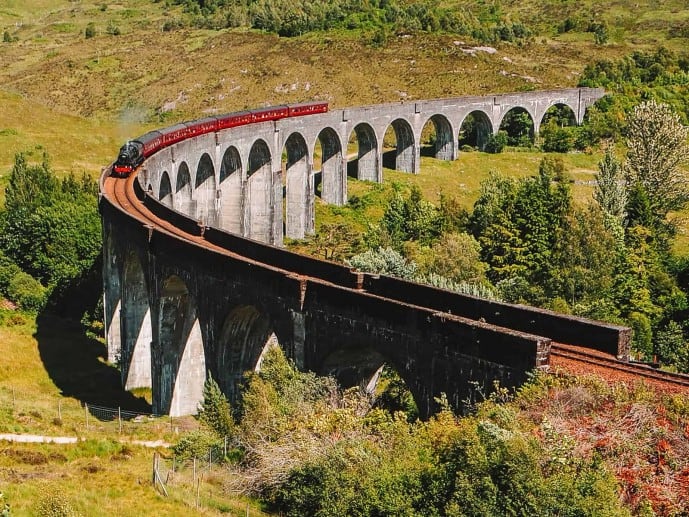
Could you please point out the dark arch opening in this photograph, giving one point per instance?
(555, 133)
(231, 163)
(332, 173)
(183, 190)
(246, 334)
(231, 213)
(298, 189)
(205, 191)
(364, 144)
(400, 136)
(366, 368)
(259, 157)
(258, 193)
(165, 192)
(559, 114)
(519, 127)
(436, 138)
(475, 131)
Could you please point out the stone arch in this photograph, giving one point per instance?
(475, 130)
(205, 191)
(245, 334)
(519, 125)
(257, 198)
(231, 191)
(299, 188)
(135, 325)
(360, 364)
(165, 192)
(442, 145)
(183, 191)
(561, 113)
(403, 158)
(333, 180)
(366, 166)
(180, 351)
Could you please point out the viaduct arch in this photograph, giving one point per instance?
(206, 298)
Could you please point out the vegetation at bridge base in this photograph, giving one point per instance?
(557, 446)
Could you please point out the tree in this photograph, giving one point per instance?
(384, 261)
(215, 410)
(611, 192)
(456, 257)
(657, 149)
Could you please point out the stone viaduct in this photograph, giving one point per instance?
(207, 298)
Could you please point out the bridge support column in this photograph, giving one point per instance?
(112, 294)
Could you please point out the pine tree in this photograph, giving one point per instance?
(215, 410)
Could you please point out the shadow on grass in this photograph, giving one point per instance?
(76, 363)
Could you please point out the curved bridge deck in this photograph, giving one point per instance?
(185, 300)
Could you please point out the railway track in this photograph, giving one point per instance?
(583, 360)
(570, 358)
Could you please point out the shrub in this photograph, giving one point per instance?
(54, 504)
(198, 444)
(90, 30)
(26, 292)
(496, 143)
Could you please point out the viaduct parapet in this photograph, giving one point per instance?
(197, 285)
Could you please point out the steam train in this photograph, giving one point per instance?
(134, 152)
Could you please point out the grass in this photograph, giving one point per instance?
(49, 370)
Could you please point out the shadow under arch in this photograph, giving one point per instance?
(230, 211)
(183, 190)
(361, 365)
(437, 139)
(179, 354)
(136, 332)
(205, 191)
(298, 189)
(165, 193)
(403, 157)
(257, 196)
(333, 180)
(365, 166)
(475, 130)
(246, 334)
(76, 363)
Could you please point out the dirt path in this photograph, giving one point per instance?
(35, 438)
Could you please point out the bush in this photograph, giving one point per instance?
(90, 30)
(26, 292)
(54, 504)
(198, 444)
(496, 143)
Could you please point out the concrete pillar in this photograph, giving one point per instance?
(111, 299)
(139, 366)
(190, 377)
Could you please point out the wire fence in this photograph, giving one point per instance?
(21, 413)
(194, 480)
